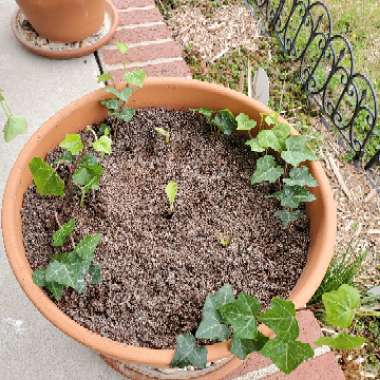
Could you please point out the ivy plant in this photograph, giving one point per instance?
(14, 125)
(282, 157)
(117, 108)
(237, 318)
(69, 269)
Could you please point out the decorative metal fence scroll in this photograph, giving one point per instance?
(346, 98)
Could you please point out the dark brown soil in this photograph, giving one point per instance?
(158, 270)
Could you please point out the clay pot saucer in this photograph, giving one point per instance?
(29, 38)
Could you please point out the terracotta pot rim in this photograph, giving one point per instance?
(306, 286)
(70, 53)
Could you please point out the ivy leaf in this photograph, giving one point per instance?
(111, 104)
(71, 275)
(47, 181)
(292, 196)
(72, 143)
(104, 77)
(204, 111)
(341, 305)
(126, 114)
(282, 131)
(171, 193)
(241, 315)
(287, 356)
(300, 177)
(341, 341)
(87, 174)
(65, 157)
(14, 126)
(55, 289)
(60, 236)
(122, 95)
(281, 318)
(297, 151)
(85, 249)
(39, 277)
(135, 78)
(271, 119)
(122, 47)
(244, 123)
(188, 353)
(268, 139)
(103, 145)
(267, 169)
(225, 121)
(211, 327)
(286, 217)
(254, 145)
(223, 296)
(96, 274)
(243, 347)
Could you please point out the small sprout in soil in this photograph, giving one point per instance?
(164, 133)
(224, 317)
(224, 241)
(14, 125)
(171, 194)
(70, 269)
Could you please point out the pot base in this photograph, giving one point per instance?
(39, 45)
(214, 371)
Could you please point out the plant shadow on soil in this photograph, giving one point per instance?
(157, 270)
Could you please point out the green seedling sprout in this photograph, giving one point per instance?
(164, 133)
(171, 194)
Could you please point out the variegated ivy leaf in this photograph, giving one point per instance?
(14, 126)
(286, 217)
(267, 169)
(287, 356)
(103, 145)
(281, 318)
(297, 151)
(72, 143)
(39, 277)
(243, 347)
(126, 114)
(63, 233)
(268, 139)
(292, 196)
(341, 305)
(254, 145)
(122, 47)
(55, 289)
(244, 123)
(47, 181)
(211, 326)
(241, 316)
(300, 177)
(341, 341)
(187, 353)
(85, 249)
(225, 121)
(135, 78)
(122, 95)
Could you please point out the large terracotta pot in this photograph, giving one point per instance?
(174, 94)
(64, 20)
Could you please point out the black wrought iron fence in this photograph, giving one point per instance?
(346, 98)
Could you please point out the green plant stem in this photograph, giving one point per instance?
(5, 108)
(82, 198)
(367, 313)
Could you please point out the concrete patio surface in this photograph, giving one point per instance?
(30, 347)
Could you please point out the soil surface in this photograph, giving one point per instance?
(157, 269)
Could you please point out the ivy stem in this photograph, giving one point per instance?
(60, 226)
(93, 132)
(5, 108)
(367, 313)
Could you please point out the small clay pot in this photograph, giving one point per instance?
(64, 20)
(170, 93)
